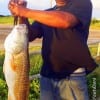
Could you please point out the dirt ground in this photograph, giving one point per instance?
(6, 29)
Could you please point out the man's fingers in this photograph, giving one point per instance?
(15, 8)
(22, 3)
(11, 5)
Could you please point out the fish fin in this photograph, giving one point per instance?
(4, 67)
(13, 66)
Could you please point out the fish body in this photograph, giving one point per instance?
(16, 63)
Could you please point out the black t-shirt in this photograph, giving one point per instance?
(65, 50)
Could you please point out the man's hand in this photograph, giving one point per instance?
(16, 8)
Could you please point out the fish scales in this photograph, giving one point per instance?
(16, 63)
(22, 76)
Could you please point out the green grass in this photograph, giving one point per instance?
(95, 24)
(93, 49)
(9, 20)
(95, 75)
(6, 20)
(34, 48)
(1, 58)
(35, 66)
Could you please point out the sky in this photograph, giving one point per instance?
(44, 4)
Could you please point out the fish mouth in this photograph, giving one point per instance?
(21, 26)
(17, 39)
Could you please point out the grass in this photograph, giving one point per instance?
(1, 58)
(35, 66)
(6, 20)
(34, 48)
(93, 49)
(36, 62)
(95, 24)
(9, 20)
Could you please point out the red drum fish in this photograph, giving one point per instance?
(16, 63)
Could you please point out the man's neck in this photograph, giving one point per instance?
(61, 2)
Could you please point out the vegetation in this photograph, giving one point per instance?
(94, 84)
(95, 24)
(35, 63)
(8, 20)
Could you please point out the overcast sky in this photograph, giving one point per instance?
(43, 4)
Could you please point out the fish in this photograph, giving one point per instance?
(16, 63)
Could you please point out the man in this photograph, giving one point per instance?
(66, 57)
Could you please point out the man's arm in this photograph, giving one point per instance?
(59, 19)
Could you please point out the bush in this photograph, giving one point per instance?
(94, 83)
(94, 21)
(1, 58)
(3, 90)
(35, 66)
(34, 90)
(1, 73)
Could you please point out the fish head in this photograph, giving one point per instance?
(17, 40)
(21, 28)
